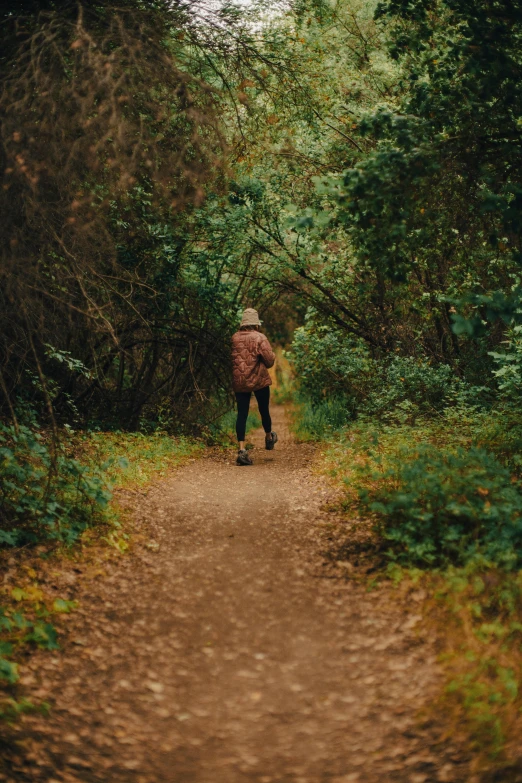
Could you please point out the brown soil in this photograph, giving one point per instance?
(225, 651)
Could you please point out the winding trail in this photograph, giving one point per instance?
(226, 657)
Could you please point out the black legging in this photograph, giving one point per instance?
(243, 404)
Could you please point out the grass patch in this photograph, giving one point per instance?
(476, 612)
(318, 421)
(132, 458)
(481, 610)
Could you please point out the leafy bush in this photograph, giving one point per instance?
(45, 494)
(509, 364)
(424, 387)
(332, 365)
(437, 506)
(329, 363)
(502, 434)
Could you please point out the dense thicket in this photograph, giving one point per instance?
(390, 207)
(412, 238)
(437, 205)
(112, 309)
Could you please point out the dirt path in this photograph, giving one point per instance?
(224, 657)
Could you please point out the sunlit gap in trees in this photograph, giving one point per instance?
(252, 13)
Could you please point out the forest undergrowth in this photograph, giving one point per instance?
(91, 529)
(87, 528)
(435, 506)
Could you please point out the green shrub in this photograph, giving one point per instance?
(332, 365)
(500, 431)
(436, 507)
(509, 364)
(45, 494)
(410, 385)
(329, 363)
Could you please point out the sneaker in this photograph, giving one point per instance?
(243, 458)
(270, 440)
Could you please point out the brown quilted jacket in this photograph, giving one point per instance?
(251, 356)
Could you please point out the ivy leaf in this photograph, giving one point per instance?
(8, 671)
(45, 636)
(61, 605)
(18, 594)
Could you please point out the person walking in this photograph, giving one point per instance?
(252, 355)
